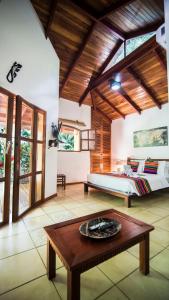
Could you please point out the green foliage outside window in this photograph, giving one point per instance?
(25, 154)
(68, 141)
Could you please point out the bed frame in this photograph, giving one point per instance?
(127, 197)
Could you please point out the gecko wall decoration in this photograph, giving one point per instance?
(13, 71)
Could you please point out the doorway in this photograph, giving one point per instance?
(22, 156)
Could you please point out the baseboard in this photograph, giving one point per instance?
(70, 183)
(50, 197)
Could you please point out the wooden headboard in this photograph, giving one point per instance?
(137, 159)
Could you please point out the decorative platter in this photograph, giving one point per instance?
(100, 228)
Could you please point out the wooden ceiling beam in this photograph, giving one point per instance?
(117, 32)
(141, 82)
(78, 55)
(133, 57)
(161, 58)
(129, 100)
(113, 7)
(109, 103)
(148, 29)
(102, 68)
(89, 12)
(51, 16)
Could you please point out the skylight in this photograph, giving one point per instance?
(131, 45)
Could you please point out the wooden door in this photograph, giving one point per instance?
(101, 156)
(29, 164)
(6, 120)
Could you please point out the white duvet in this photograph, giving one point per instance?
(127, 185)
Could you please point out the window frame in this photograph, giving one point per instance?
(72, 127)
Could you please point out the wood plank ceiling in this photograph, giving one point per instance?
(87, 34)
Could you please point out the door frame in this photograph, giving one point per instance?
(8, 136)
(33, 173)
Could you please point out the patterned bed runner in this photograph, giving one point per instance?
(142, 184)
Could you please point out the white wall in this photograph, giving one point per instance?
(122, 134)
(22, 39)
(75, 165)
(166, 10)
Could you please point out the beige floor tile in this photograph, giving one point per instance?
(53, 208)
(15, 244)
(155, 248)
(163, 223)
(43, 253)
(161, 263)
(19, 269)
(36, 212)
(37, 222)
(158, 211)
(119, 266)
(62, 216)
(146, 216)
(38, 289)
(93, 283)
(151, 287)
(113, 294)
(39, 237)
(160, 236)
(12, 229)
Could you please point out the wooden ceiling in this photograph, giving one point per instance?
(87, 34)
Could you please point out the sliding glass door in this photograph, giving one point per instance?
(29, 164)
(6, 120)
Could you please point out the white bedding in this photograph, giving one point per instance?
(127, 185)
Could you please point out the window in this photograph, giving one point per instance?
(69, 138)
(131, 45)
(74, 139)
(87, 140)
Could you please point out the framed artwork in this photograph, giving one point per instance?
(151, 138)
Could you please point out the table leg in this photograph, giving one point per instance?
(51, 261)
(144, 255)
(73, 285)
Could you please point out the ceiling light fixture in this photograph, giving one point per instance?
(115, 85)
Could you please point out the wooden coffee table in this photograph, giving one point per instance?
(79, 253)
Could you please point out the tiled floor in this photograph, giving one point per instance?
(23, 252)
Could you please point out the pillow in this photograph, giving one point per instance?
(161, 167)
(141, 166)
(133, 165)
(150, 167)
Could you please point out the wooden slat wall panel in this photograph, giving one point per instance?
(101, 157)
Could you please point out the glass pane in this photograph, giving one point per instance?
(26, 121)
(2, 157)
(85, 145)
(84, 134)
(91, 134)
(91, 145)
(39, 157)
(38, 187)
(24, 194)
(40, 127)
(25, 157)
(3, 113)
(2, 186)
(69, 138)
(134, 43)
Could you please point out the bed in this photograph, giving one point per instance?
(127, 187)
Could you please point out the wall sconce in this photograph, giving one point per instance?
(55, 134)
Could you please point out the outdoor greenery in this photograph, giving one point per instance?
(25, 158)
(2, 156)
(131, 45)
(68, 141)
